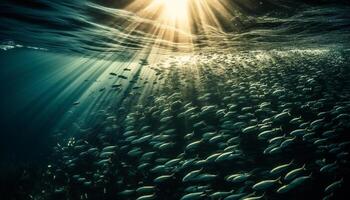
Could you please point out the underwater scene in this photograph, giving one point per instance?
(175, 100)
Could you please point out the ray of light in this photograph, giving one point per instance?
(178, 21)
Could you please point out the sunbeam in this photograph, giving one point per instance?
(173, 10)
(178, 24)
(174, 99)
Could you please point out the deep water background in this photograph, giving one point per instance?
(28, 110)
(49, 50)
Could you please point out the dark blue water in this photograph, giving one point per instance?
(56, 60)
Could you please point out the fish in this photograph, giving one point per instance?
(266, 184)
(122, 77)
(268, 133)
(294, 173)
(281, 168)
(281, 116)
(298, 132)
(194, 145)
(145, 189)
(286, 143)
(328, 167)
(238, 178)
(333, 186)
(205, 177)
(213, 129)
(147, 197)
(252, 197)
(193, 196)
(235, 196)
(294, 183)
(191, 175)
(163, 178)
(250, 129)
(220, 195)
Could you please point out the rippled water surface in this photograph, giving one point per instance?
(100, 27)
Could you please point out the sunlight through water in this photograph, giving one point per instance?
(174, 99)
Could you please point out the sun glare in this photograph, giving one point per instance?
(174, 9)
(176, 22)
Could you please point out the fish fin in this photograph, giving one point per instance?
(310, 175)
(205, 194)
(304, 166)
(291, 162)
(279, 180)
(262, 196)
